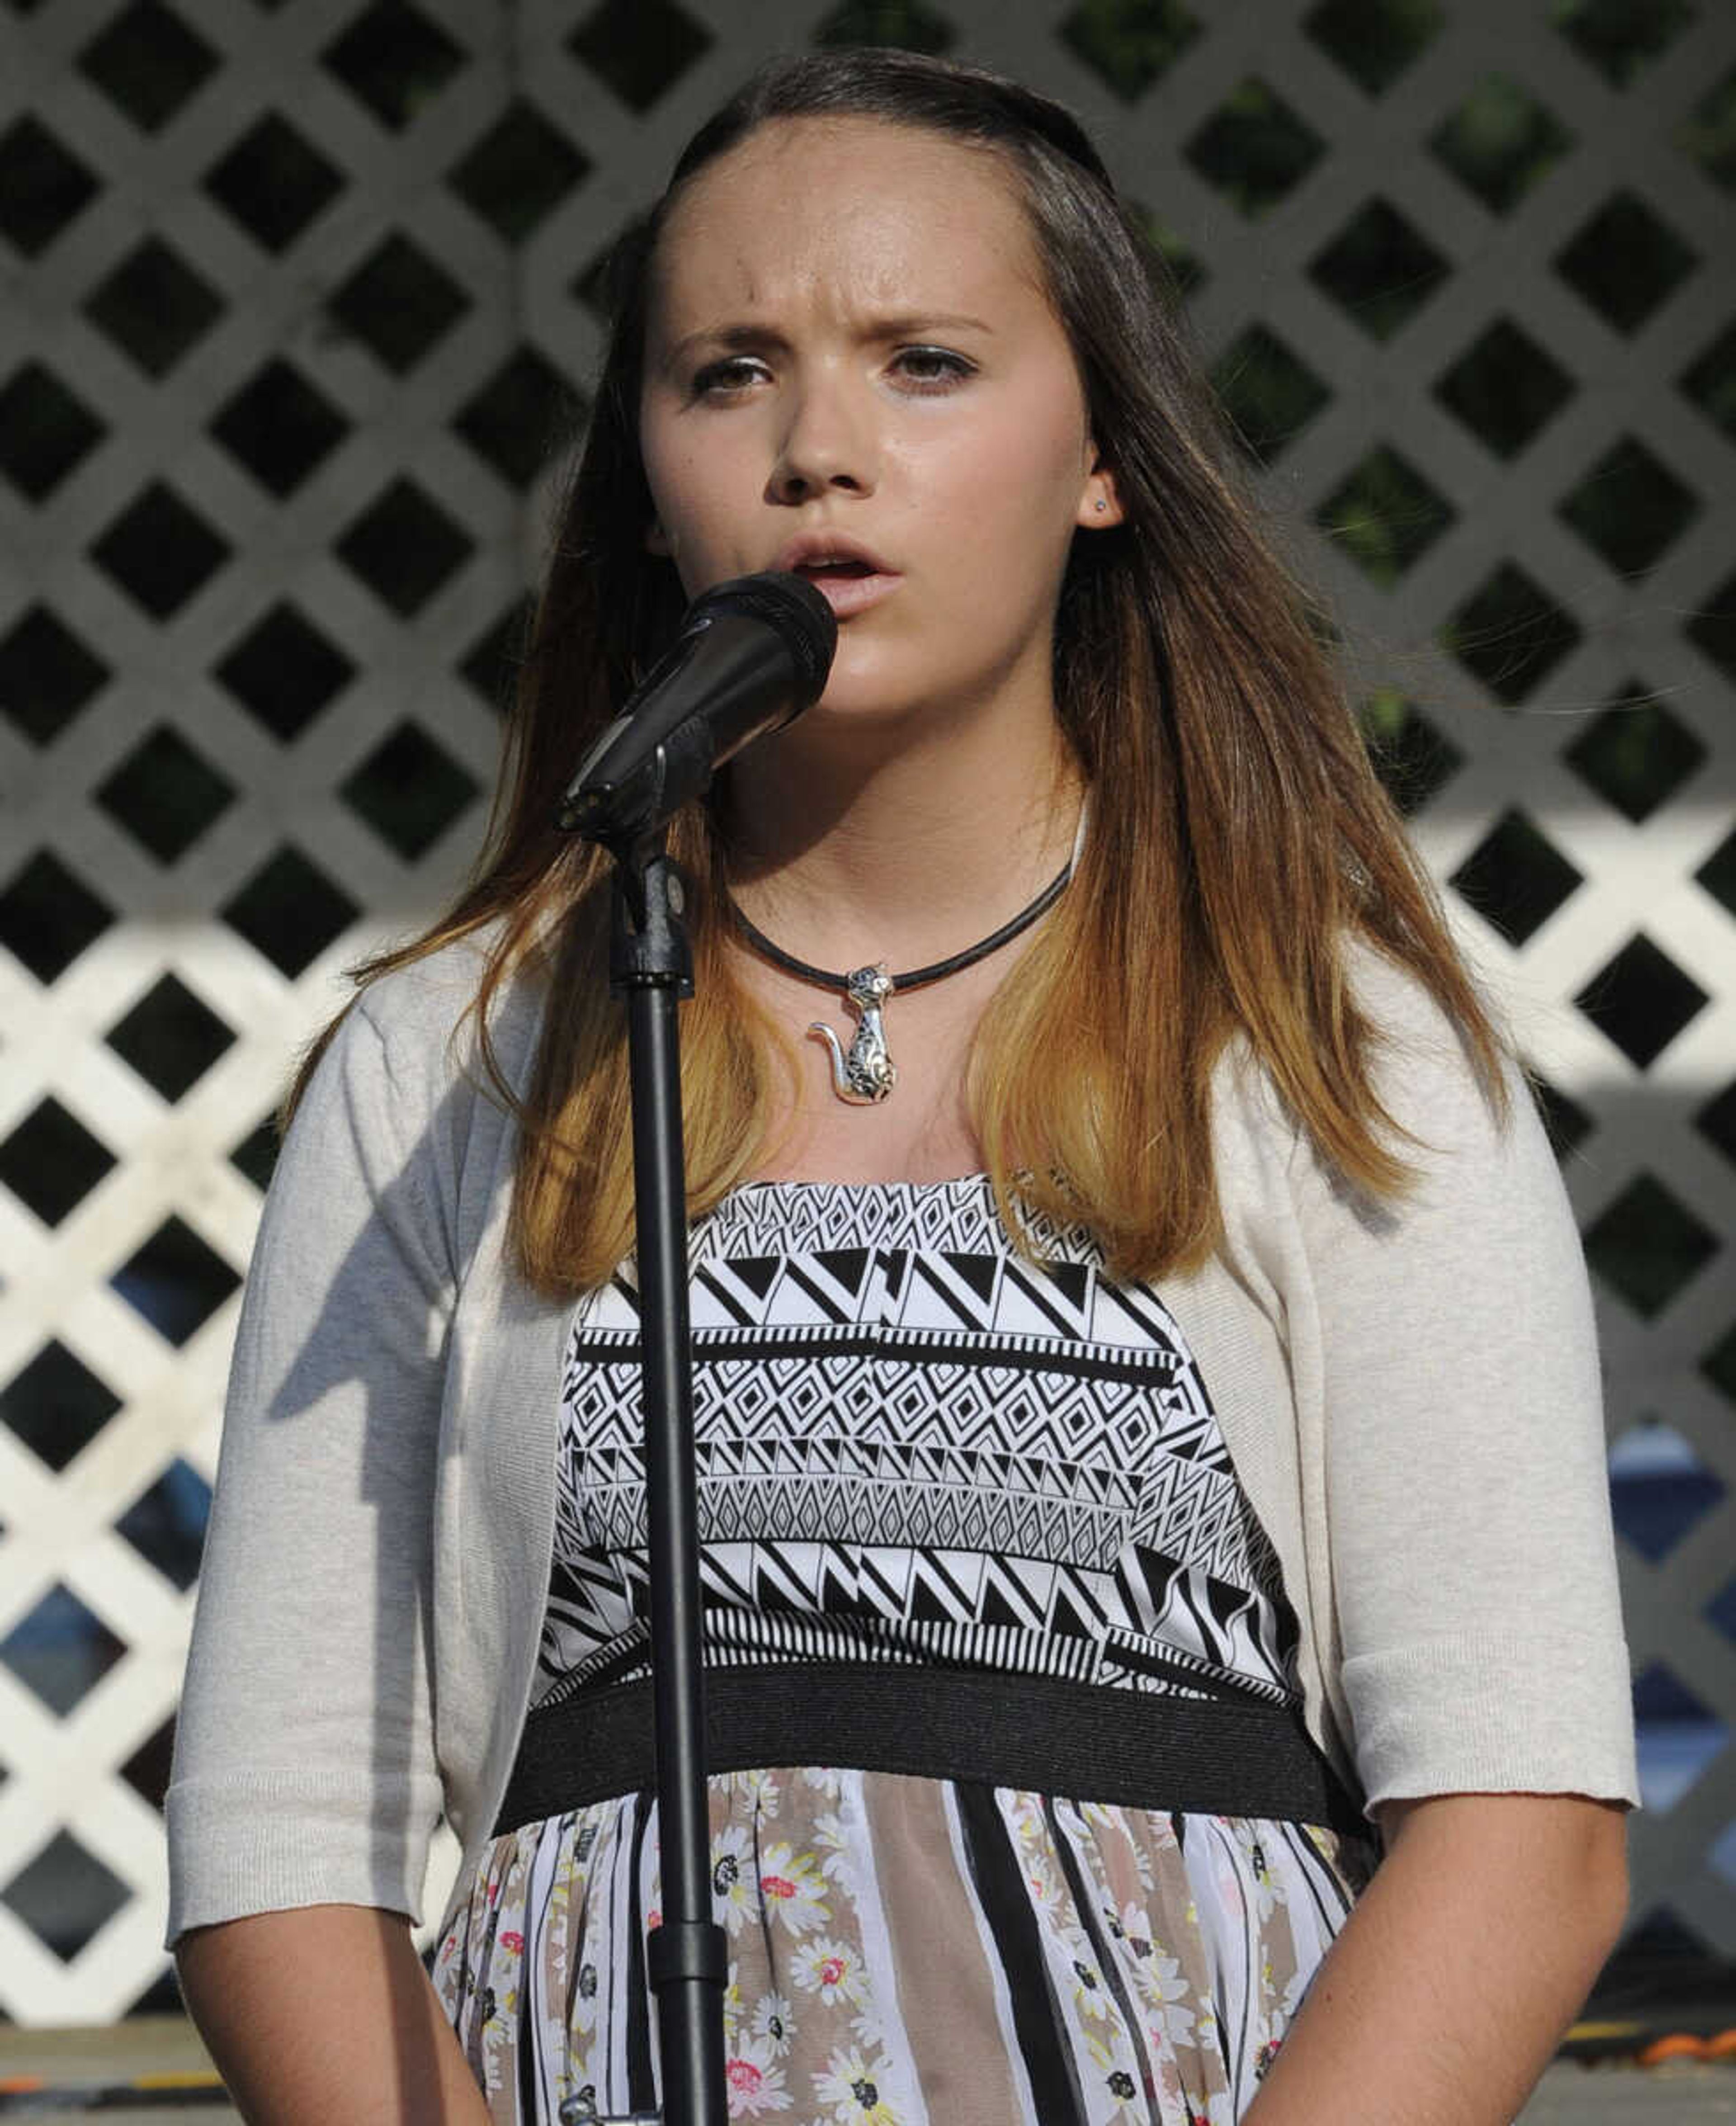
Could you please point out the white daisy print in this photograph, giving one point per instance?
(833, 1969)
(852, 2085)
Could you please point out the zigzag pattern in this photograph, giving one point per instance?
(917, 1447)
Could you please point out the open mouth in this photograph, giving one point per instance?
(815, 571)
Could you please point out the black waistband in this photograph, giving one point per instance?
(1217, 1756)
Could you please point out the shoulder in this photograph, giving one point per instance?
(1437, 1111)
(1406, 1019)
(425, 1014)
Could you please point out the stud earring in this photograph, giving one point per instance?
(1101, 507)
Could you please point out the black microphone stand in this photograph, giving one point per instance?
(763, 645)
(650, 967)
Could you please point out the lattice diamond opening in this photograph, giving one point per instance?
(1565, 1123)
(403, 547)
(148, 61)
(65, 1896)
(1412, 759)
(153, 307)
(518, 173)
(641, 48)
(1172, 258)
(284, 672)
(61, 1650)
(165, 794)
(288, 911)
(1719, 1364)
(256, 1156)
(395, 60)
(1709, 381)
(513, 421)
(272, 182)
(591, 285)
(907, 24)
(1717, 875)
(1515, 878)
(491, 666)
(399, 303)
(408, 791)
(1500, 141)
(1373, 41)
(49, 916)
(1679, 1735)
(1254, 148)
(1660, 1488)
(1625, 262)
(1386, 516)
(1505, 388)
(1648, 1245)
(43, 187)
(1635, 755)
(1269, 392)
(46, 431)
(1618, 38)
(1707, 135)
(280, 428)
(1510, 633)
(47, 675)
(1716, 1122)
(1629, 507)
(175, 1282)
(166, 1524)
(1641, 1000)
(1130, 44)
(1712, 628)
(56, 1404)
(51, 1162)
(1380, 269)
(160, 550)
(146, 1770)
(170, 1037)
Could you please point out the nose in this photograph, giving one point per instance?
(828, 442)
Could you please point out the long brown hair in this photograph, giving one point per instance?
(1239, 838)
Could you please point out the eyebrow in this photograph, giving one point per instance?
(899, 327)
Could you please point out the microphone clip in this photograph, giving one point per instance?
(648, 947)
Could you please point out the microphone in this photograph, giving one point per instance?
(750, 656)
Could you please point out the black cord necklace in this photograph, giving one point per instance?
(864, 1073)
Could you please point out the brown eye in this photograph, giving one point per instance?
(932, 368)
(732, 373)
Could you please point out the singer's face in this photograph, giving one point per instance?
(849, 341)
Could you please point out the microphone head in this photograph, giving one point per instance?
(789, 604)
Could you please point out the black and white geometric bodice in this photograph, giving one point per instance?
(914, 1445)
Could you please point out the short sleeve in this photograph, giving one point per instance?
(1466, 1482)
(304, 1769)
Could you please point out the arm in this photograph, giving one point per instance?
(305, 1786)
(1459, 1966)
(1450, 1340)
(326, 2013)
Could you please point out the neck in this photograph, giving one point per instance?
(911, 855)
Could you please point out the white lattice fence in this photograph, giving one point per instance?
(292, 297)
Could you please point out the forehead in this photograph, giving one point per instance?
(865, 211)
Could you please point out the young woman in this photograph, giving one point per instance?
(1150, 1465)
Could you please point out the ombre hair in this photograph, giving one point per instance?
(1240, 844)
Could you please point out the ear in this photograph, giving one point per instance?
(1100, 500)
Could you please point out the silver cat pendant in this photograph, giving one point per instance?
(864, 1073)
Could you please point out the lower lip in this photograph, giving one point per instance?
(847, 595)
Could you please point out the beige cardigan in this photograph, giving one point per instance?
(1410, 1394)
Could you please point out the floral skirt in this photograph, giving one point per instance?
(906, 1952)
